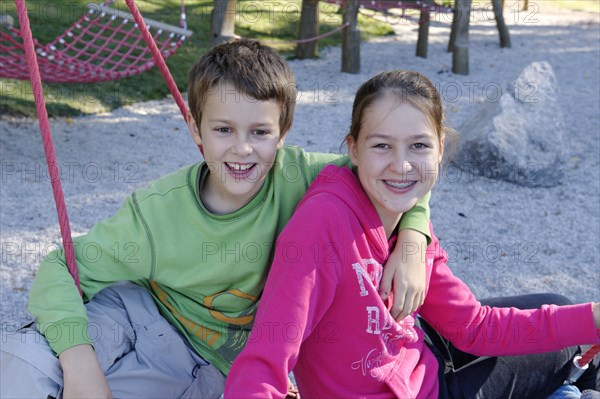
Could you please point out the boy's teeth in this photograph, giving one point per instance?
(399, 185)
(240, 167)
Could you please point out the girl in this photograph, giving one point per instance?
(320, 314)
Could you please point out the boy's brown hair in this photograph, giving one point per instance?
(254, 69)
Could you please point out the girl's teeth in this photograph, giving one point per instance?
(400, 185)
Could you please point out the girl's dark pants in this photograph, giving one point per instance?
(527, 376)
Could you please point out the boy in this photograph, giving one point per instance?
(196, 244)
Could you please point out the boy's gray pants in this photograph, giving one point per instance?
(141, 354)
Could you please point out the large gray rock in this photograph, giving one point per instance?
(520, 137)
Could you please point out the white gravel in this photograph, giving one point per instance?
(503, 239)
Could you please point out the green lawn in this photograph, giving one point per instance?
(274, 21)
(581, 5)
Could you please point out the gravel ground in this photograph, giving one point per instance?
(502, 238)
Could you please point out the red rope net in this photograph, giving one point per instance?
(103, 45)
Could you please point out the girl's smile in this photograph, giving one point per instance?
(397, 155)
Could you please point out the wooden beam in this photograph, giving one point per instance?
(149, 22)
(351, 38)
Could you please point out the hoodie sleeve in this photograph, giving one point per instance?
(451, 309)
(300, 288)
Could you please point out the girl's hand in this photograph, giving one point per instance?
(404, 272)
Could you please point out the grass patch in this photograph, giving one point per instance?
(273, 22)
(578, 5)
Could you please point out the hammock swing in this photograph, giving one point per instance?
(580, 363)
(29, 53)
(103, 45)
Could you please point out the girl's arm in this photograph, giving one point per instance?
(404, 271)
(299, 290)
(453, 311)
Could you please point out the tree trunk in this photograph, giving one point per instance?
(309, 27)
(460, 51)
(423, 39)
(502, 29)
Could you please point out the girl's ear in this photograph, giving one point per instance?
(352, 150)
(193, 128)
(442, 146)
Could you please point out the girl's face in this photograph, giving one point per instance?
(397, 155)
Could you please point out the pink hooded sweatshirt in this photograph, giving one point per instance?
(321, 315)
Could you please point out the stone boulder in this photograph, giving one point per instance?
(520, 137)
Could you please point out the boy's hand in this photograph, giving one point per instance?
(293, 392)
(83, 377)
(404, 272)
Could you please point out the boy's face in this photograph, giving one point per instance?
(240, 136)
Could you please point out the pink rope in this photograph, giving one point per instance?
(124, 57)
(158, 58)
(36, 83)
(93, 49)
(384, 5)
(307, 40)
(182, 21)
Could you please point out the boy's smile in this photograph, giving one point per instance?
(240, 136)
(239, 171)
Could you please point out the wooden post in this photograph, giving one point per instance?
(460, 52)
(453, 29)
(351, 38)
(309, 27)
(223, 21)
(525, 4)
(423, 39)
(502, 29)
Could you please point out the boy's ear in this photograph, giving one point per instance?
(193, 128)
(281, 141)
